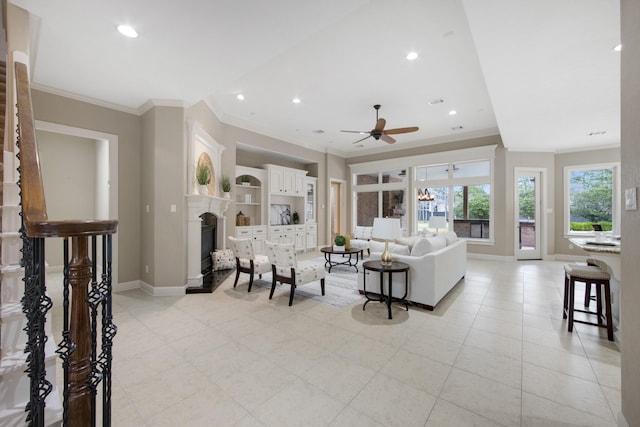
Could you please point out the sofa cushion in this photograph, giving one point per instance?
(394, 248)
(428, 244)
(451, 237)
(408, 241)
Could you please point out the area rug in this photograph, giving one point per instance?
(341, 286)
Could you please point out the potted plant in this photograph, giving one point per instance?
(339, 242)
(203, 178)
(246, 180)
(295, 217)
(225, 183)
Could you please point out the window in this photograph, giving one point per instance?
(459, 191)
(590, 198)
(381, 195)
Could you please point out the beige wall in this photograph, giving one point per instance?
(56, 109)
(57, 152)
(163, 185)
(630, 153)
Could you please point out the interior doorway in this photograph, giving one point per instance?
(103, 191)
(527, 214)
(337, 209)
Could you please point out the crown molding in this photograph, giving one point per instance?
(82, 98)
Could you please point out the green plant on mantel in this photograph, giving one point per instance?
(245, 178)
(203, 174)
(225, 183)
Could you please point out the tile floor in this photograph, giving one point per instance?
(494, 353)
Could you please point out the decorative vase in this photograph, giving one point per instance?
(337, 248)
(203, 189)
(227, 195)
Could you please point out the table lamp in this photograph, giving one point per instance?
(386, 229)
(438, 222)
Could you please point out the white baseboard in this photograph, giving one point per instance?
(622, 421)
(499, 258)
(162, 291)
(126, 286)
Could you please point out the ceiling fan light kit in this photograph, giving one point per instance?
(379, 132)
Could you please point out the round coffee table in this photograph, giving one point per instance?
(328, 251)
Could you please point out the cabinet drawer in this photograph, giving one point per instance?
(243, 233)
(260, 232)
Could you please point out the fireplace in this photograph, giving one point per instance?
(208, 243)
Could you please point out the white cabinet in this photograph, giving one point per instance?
(300, 238)
(310, 199)
(311, 234)
(282, 233)
(257, 233)
(286, 181)
(249, 196)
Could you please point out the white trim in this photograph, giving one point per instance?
(162, 291)
(487, 257)
(82, 98)
(152, 103)
(113, 191)
(126, 286)
(615, 202)
(467, 154)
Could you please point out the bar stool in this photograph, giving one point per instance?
(590, 275)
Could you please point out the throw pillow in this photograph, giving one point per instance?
(394, 248)
(428, 245)
(451, 237)
(408, 241)
(223, 259)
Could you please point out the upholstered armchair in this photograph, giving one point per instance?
(247, 261)
(286, 269)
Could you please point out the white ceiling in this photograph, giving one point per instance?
(541, 73)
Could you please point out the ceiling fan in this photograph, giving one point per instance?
(378, 132)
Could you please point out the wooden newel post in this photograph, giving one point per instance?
(80, 333)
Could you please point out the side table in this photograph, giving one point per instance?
(394, 267)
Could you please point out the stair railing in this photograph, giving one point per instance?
(87, 305)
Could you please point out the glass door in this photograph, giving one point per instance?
(527, 209)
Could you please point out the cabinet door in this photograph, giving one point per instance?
(276, 180)
(289, 234)
(289, 181)
(299, 184)
(311, 240)
(310, 201)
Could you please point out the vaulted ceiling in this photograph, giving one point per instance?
(542, 74)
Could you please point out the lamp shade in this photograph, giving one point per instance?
(386, 228)
(438, 222)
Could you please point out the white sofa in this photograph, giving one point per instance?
(431, 275)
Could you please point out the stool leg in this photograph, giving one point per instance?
(599, 302)
(572, 289)
(607, 298)
(566, 296)
(587, 294)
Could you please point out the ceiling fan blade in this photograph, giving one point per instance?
(380, 124)
(401, 130)
(369, 136)
(355, 131)
(386, 138)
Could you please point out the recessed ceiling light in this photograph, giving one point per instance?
(453, 112)
(617, 48)
(296, 100)
(128, 31)
(240, 97)
(435, 101)
(412, 55)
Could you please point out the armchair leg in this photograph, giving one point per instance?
(293, 289)
(250, 281)
(273, 281)
(322, 285)
(237, 276)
